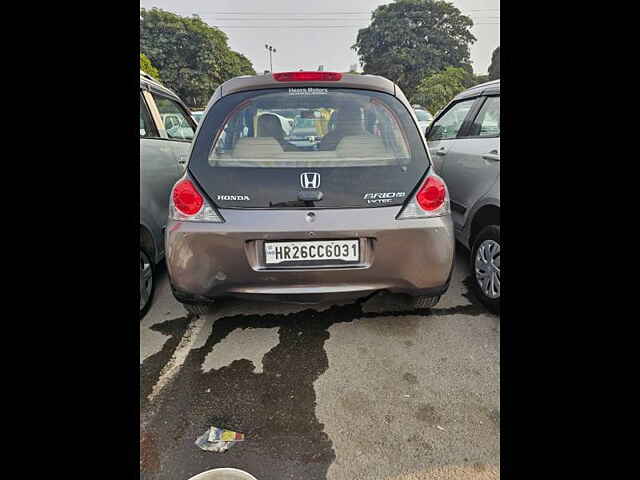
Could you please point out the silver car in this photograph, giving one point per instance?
(464, 141)
(358, 211)
(166, 131)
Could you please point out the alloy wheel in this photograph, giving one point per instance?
(146, 279)
(487, 267)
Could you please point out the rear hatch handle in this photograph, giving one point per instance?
(492, 155)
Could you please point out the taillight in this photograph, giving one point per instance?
(186, 198)
(307, 76)
(431, 200)
(186, 204)
(432, 194)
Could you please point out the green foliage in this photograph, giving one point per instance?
(147, 67)
(193, 57)
(494, 68)
(411, 39)
(435, 91)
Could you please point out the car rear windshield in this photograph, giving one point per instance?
(311, 128)
(261, 148)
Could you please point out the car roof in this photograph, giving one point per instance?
(482, 89)
(348, 80)
(149, 83)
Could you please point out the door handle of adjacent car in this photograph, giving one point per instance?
(182, 162)
(442, 151)
(492, 155)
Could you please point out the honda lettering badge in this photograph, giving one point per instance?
(310, 180)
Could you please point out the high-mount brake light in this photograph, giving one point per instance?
(307, 76)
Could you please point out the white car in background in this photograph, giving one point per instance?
(197, 115)
(424, 118)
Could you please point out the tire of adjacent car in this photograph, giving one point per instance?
(146, 256)
(490, 232)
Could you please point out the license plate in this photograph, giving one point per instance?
(316, 251)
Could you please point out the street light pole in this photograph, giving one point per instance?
(271, 50)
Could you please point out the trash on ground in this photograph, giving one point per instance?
(440, 428)
(218, 439)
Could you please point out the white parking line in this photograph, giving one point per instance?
(172, 367)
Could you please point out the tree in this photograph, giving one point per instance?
(193, 57)
(469, 79)
(237, 64)
(147, 67)
(494, 68)
(435, 91)
(411, 39)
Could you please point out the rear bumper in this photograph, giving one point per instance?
(206, 260)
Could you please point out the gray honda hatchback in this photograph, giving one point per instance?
(354, 209)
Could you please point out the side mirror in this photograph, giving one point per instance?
(427, 131)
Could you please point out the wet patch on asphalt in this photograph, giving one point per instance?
(149, 374)
(275, 408)
(152, 366)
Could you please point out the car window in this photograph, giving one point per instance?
(448, 126)
(197, 116)
(330, 129)
(487, 122)
(147, 127)
(174, 119)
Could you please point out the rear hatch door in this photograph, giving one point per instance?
(364, 151)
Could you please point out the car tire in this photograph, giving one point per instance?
(197, 308)
(485, 267)
(424, 302)
(147, 281)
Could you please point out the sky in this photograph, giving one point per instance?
(312, 33)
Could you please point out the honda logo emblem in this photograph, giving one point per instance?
(310, 180)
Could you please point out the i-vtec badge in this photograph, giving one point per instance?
(382, 197)
(234, 197)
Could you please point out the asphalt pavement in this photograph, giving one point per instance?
(351, 391)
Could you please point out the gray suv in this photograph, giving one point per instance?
(166, 131)
(353, 211)
(464, 142)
